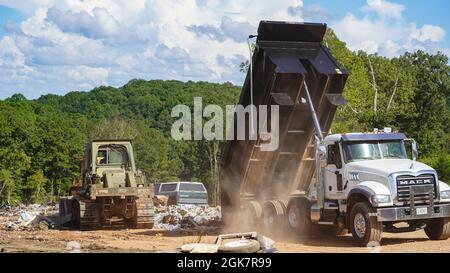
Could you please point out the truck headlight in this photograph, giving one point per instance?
(380, 199)
(445, 194)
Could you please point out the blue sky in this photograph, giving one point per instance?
(49, 46)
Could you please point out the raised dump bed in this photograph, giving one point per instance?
(287, 57)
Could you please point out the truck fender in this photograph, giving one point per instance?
(369, 189)
(366, 192)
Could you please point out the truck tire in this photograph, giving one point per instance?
(240, 246)
(438, 229)
(364, 227)
(283, 204)
(252, 213)
(298, 216)
(273, 217)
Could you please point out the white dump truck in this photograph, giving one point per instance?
(363, 183)
(367, 184)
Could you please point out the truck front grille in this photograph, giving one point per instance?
(421, 187)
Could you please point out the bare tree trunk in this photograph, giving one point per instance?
(36, 195)
(395, 89)
(374, 84)
(8, 199)
(210, 163)
(59, 189)
(216, 176)
(51, 190)
(3, 187)
(213, 152)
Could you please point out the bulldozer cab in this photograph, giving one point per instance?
(110, 163)
(105, 155)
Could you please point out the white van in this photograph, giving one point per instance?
(184, 193)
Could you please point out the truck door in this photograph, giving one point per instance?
(333, 172)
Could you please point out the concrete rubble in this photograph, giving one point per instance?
(182, 217)
(172, 218)
(160, 200)
(34, 216)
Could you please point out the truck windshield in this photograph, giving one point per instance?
(372, 150)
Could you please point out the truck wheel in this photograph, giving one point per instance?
(273, 217)
(438, 229)
(252, 213)
(365, 228)
(299, 216)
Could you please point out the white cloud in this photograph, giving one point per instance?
(112, 41)
(388, 34)
(100, 25)
(44, 43)
(427, 33)
(29, 6)
(88, 74)
(74, 45)
(13, 68)
(385, 8)
(366, 34)
(10, 55)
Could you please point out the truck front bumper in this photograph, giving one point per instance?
(394, 214)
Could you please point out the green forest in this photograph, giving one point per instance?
(43, 140)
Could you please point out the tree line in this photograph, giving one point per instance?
(43, 140)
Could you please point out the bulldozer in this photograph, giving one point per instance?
(111, 191)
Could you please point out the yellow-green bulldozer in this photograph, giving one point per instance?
(111, 191)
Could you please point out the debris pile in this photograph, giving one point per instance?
(24, 217)
(173, 218)
(186, 217)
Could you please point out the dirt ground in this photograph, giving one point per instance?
(165, 241)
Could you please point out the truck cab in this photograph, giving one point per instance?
(368, 177)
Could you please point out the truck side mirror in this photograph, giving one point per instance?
(414, 150)
(414, 153)
(321, 154)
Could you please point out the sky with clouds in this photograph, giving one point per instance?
(49, 46)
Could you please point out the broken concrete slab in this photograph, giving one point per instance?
(265, 242)
(160, 200)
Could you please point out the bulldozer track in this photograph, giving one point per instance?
(145, 213)
(87, 214)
